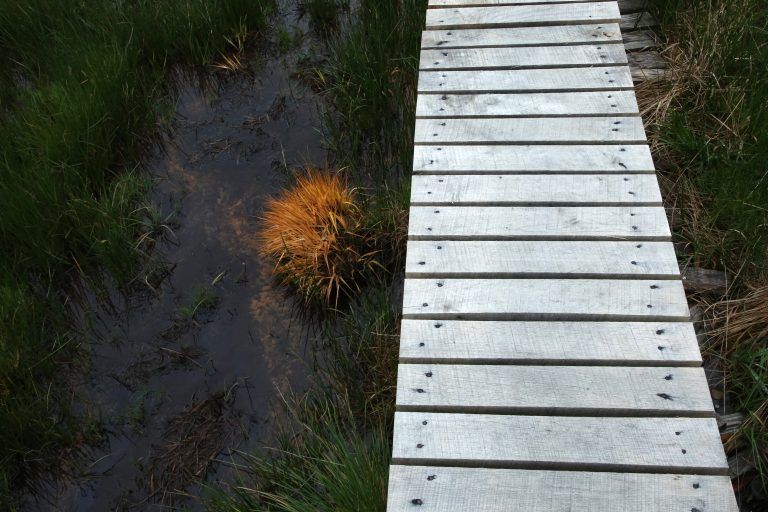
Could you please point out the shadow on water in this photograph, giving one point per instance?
(180, 379)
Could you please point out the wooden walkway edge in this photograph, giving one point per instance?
(547, 358)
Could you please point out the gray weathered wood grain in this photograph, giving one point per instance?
(637, 20)
(527, 104)
(476, 3)
(525, 159)
(537, 299)
(653, 260)
(523, 15)
(526, 57)
(625, 6)
(443, 489)
(538, 189)
(684, 445)
(537, 223)
(557, 390)
(538, 342)
(547, 130)
(526, 80)
(604, 33)
(639, 40)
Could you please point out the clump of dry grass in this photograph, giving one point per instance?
(191, 443)
(739, 321)
(315, 232)
(697, 49)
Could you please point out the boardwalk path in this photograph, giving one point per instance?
(547, 361)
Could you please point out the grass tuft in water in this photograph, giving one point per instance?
(321, 462)
(368, 85)
(314, 233)
(333, 444)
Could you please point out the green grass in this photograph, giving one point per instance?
(716, 132)
(333, 452)
(332, 448)
(83, 84)
(321, 462)
(714, 138)
(368, 84)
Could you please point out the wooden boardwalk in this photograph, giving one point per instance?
(547, 360)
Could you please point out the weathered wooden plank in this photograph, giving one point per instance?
(639, 40)
(523, 15)
(539, 189)
(538, 299)
(526, 80)
(647, 75)
(625, 6)
(542, 130)
(537, 223)
(557, 390)
(444, 489)
(522, 36)
(605, 343)
(651, 260)
(637, 20)
(532, 159)
(647, 66)
(528, 57)
(477, 3)
(530, 104)
(669, 445)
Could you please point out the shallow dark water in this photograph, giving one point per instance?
(158, 377)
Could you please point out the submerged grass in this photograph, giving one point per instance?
(709, 121)
(82, 88)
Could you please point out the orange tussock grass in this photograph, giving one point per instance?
(315, 234)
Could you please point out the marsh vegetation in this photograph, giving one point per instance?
(708, 121)
(87, 88)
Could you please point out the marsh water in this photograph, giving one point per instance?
(191, 368)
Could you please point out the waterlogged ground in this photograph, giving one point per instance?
(191, 368)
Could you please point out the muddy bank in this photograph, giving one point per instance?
(189, 369)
